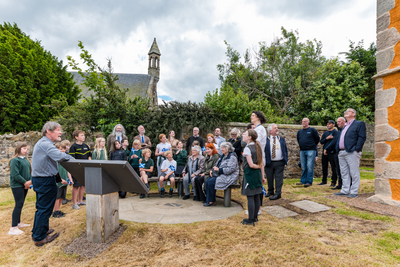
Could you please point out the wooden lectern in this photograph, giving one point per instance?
(102, 180)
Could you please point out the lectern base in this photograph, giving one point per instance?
(102, 216)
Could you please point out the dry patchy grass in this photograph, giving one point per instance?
(329, 238)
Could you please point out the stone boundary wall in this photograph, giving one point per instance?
(9, 141)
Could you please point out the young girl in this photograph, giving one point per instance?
(117, 153)
(146, 168)
(20, 181)
(180, 156)
(162, 147)
(135, 156)
(252, 180)
(100, 151)
(211, 140)
(174, 142)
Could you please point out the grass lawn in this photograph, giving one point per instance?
(342, 236)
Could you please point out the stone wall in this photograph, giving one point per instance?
(387, 107)
(9, 141)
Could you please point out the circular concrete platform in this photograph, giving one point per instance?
(173, 210)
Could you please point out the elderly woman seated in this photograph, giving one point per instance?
(224, 174)
(192, 169)
(212, 157)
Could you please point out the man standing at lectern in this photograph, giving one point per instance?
(45, 160)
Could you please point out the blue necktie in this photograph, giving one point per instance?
(119, 139)
(142, 139)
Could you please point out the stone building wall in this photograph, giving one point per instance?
(9, 141)
(387, 107)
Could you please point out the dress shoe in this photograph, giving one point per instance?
(186, 197)
(48, 239)
(336, 187)
(322, 183)
(48, 232)
(210, 204)
(275, 197)
(299, 183)
(269, 194)
(307, 185)
(340, 194)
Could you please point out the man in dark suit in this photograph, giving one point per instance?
(276, 157)
(350, 142)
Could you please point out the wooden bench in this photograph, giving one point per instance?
(179, 182)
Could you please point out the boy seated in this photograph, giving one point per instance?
(168, 168)
(62, 186)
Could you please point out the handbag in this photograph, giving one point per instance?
(214, 173)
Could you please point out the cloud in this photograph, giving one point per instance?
(190, 34)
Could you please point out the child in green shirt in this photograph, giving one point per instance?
(20, 182)
(135, 155)
(100, 151)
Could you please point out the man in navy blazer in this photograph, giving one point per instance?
(350, 142)
(276, 157)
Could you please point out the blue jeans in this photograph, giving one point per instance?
(307, 158)
(210, 189)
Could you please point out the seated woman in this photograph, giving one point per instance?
(192, 169)
(211, 159)
(224, 174)
(146, 168)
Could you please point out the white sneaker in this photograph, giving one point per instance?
(15, 231)
(176, 190)
(246, 212)
(259, 212)
(75, 207)
(168, 183)
(22, 225)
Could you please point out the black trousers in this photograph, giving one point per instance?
(19, 197)
(46, 194)
(275, 172)
(198, 182)
(336, 158)
(326, 159)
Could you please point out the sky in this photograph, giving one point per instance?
(190, 34)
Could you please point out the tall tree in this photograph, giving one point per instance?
(280, 72)
(367, 58)
(30, 78)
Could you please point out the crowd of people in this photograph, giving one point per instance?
(205, 165)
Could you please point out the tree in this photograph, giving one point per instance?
(280, 72)
(367, 58)
(236, 106)
(30, 78)
(336, 87)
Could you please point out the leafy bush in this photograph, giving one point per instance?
(30, 77)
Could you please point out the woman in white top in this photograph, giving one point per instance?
(258, 119)
(161, 148)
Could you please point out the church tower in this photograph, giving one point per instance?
(154, 72)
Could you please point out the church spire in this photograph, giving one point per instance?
(154, 48)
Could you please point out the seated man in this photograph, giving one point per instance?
(168, 168)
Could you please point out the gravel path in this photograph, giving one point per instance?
(362, 203)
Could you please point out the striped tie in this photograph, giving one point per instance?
(274, 148)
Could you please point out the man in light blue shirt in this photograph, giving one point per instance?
(219, 139)
(45, 160)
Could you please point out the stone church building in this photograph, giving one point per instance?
(138, 84)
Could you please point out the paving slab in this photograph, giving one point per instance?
(310, 206)
(279, 211)
(173, 210)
